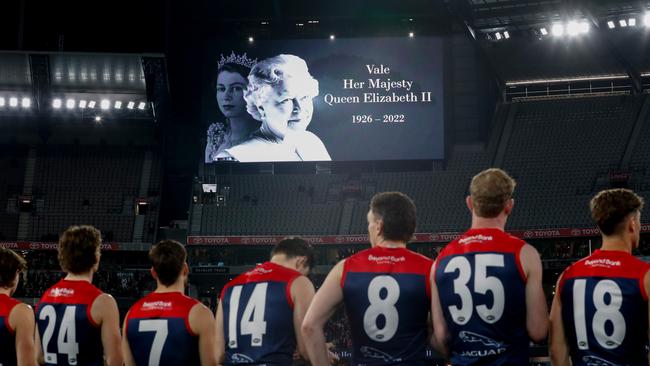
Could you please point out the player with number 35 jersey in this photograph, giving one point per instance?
(260, 311)
(487, 297)
(385, 290)
(167, 328)
(600, 309)
(77, 323)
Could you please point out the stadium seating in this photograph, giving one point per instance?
(557, 150)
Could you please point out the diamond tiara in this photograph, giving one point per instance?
(235, 59)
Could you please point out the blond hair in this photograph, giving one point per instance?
(491, 190)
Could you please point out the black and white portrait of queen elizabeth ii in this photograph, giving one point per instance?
(280, 94)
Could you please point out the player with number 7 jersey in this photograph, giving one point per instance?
(600, 310)
(77, 323)
(167, 328)
(260, 311)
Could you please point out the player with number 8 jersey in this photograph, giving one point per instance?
(487, 297)
(167, 328)
(77, 323)
(260, 311)
(385, 290)
(600, 309)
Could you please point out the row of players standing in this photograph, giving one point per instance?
(481, 302)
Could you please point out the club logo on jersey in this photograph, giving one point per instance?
(475, 239)
(386, 259)
(156, 305)
(62, 292)
(596, 361)
(370, 352)
(241, 358)
(604, 262)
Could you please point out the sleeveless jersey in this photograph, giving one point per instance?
(387, 296)
(481, 286)
(605, 309)
(159, 333)
(7, 335)
(258, 316)
(69, 336)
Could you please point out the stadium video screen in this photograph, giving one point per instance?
(325, 100)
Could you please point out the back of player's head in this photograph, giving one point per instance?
(397, 211)
(491, 190)
(168, 258)
(10, 264)
(295, 247)
(610, 208)
(79, 249)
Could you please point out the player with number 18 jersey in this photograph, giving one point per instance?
(605, 308)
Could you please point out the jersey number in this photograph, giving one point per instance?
(605, 312)
(482, 285)
(67, 338)
(160, 327)
(252, 321)
(384, 307)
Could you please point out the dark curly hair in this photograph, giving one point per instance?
(610, 208)
(79, 249)
(10, 264)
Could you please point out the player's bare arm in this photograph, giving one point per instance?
(558, 347)
(325, 302)
(302, 293)
(439, 336)
(202, 323)
(22, 321)
(536, 308)
(104, 312)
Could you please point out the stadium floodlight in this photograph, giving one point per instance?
(83, 104)
(611, 24)
(251, 39)
(26, 102)
(13, 102)
(557, 30)
(543, 31)
(118, 104)
(98, 118)
(631, 22)
(130, 105)
(69, 103)
(573, 28)
(622, 23)
(498, 36)
(141, 105)
(411, 34)
(584, 27)
(506, 35)
(332, 37)
(646, 19)
(2, 101)
(56, 103)
(91, 104)
(105, 104)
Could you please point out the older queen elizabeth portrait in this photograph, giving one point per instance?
(280, 94)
